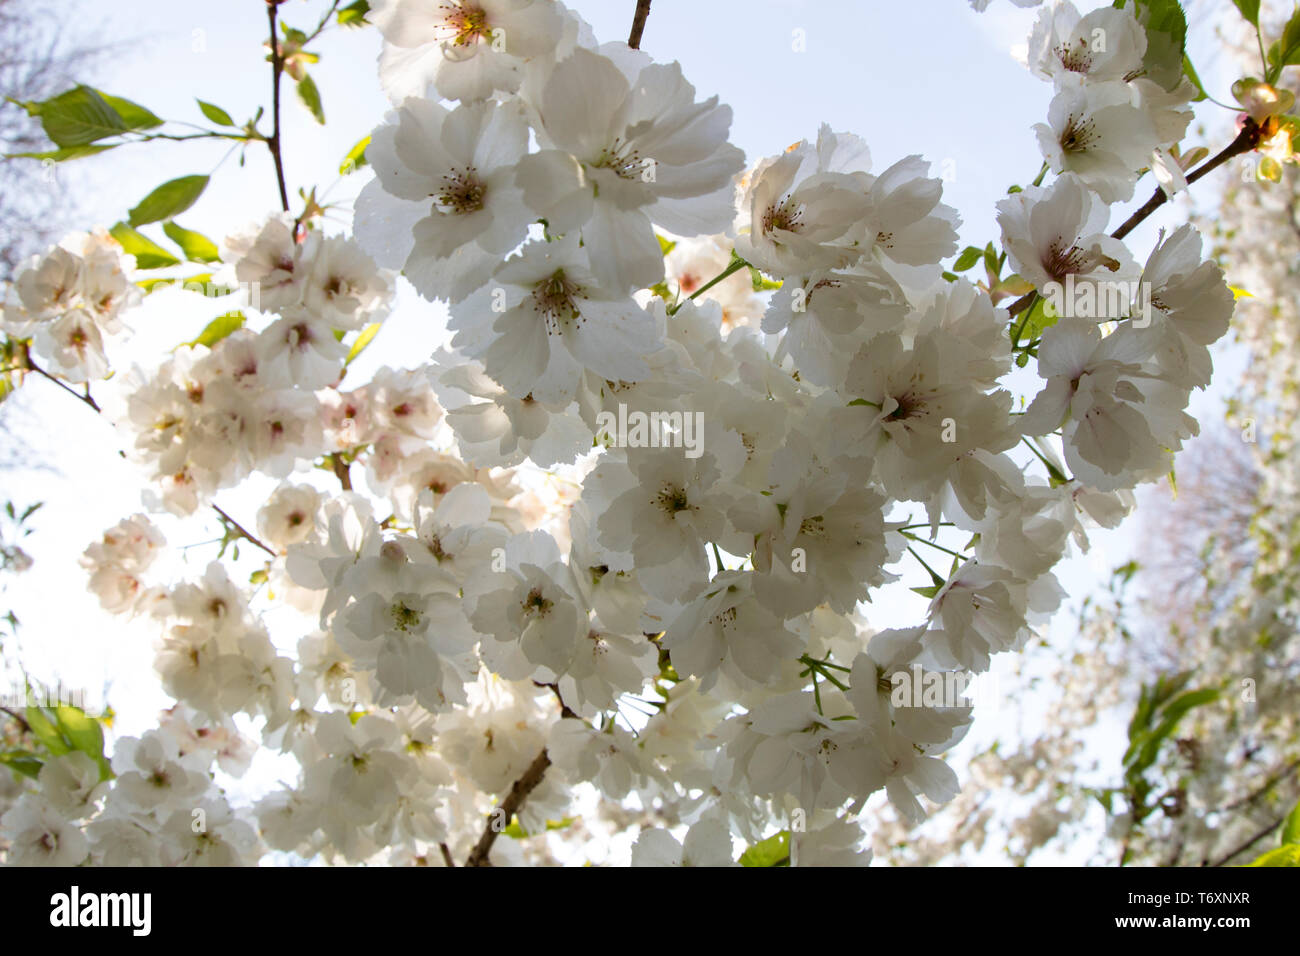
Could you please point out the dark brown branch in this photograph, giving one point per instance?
(277, 68)
(638, 23)
(1251, 842)
(504, 812)
(242, 532)
(33, 367)
(22, 721)
(1251, 135)
(565, 710)
(341, 471)
(446, 855)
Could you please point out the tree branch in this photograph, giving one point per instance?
(638, 23)
(507, 809)
(33, 367)
(565, 709)
(1251, 135)
(22, 721)
(1249, 843)
(341, 471)
(277, 68)
(242, 532)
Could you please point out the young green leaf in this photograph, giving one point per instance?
(196, 246)
(774, 851)
(354, 14)
(355, 159)
(219, 328)
(310, 96)
(365, 338)
(168, 200)
(969, 256)
(215, 113)
(148, 254)
(133, 115)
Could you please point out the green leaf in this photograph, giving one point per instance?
(133, 115)
(929, 592)
(1291, 827)
(774, 851)
(1041, 316)
(1190, 72)
(1285, 51)
(215, 113)
(1250, 10)
(169, 200)
(77, 117)
(196, 246)
(148, 254)
(991, 261)
(310, 96)
(83, 732)
(45, 730)
(22, 761)
(365, 338)
(354, 14)
(1288, 855)
(666, 245)
(219, 328)
(356, 157)
(1166, 28)
(1170, 715)
(969, 256)
(64, 153)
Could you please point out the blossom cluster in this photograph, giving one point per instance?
(460, 622)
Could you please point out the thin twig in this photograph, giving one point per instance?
(506, 810)
(1251, 842)
(638, 23)
(22, 721)
(1269, 784)
(446, 855)
(277, 68)
(33, 367)
(243, 533)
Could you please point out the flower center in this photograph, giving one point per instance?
(462, 192)
(553, 300)
(404, 618)
(537, 603)
(622, 158)
(1076, 57)
(464, 23)
(1079, 135)
(786, 215)
(673, 500)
